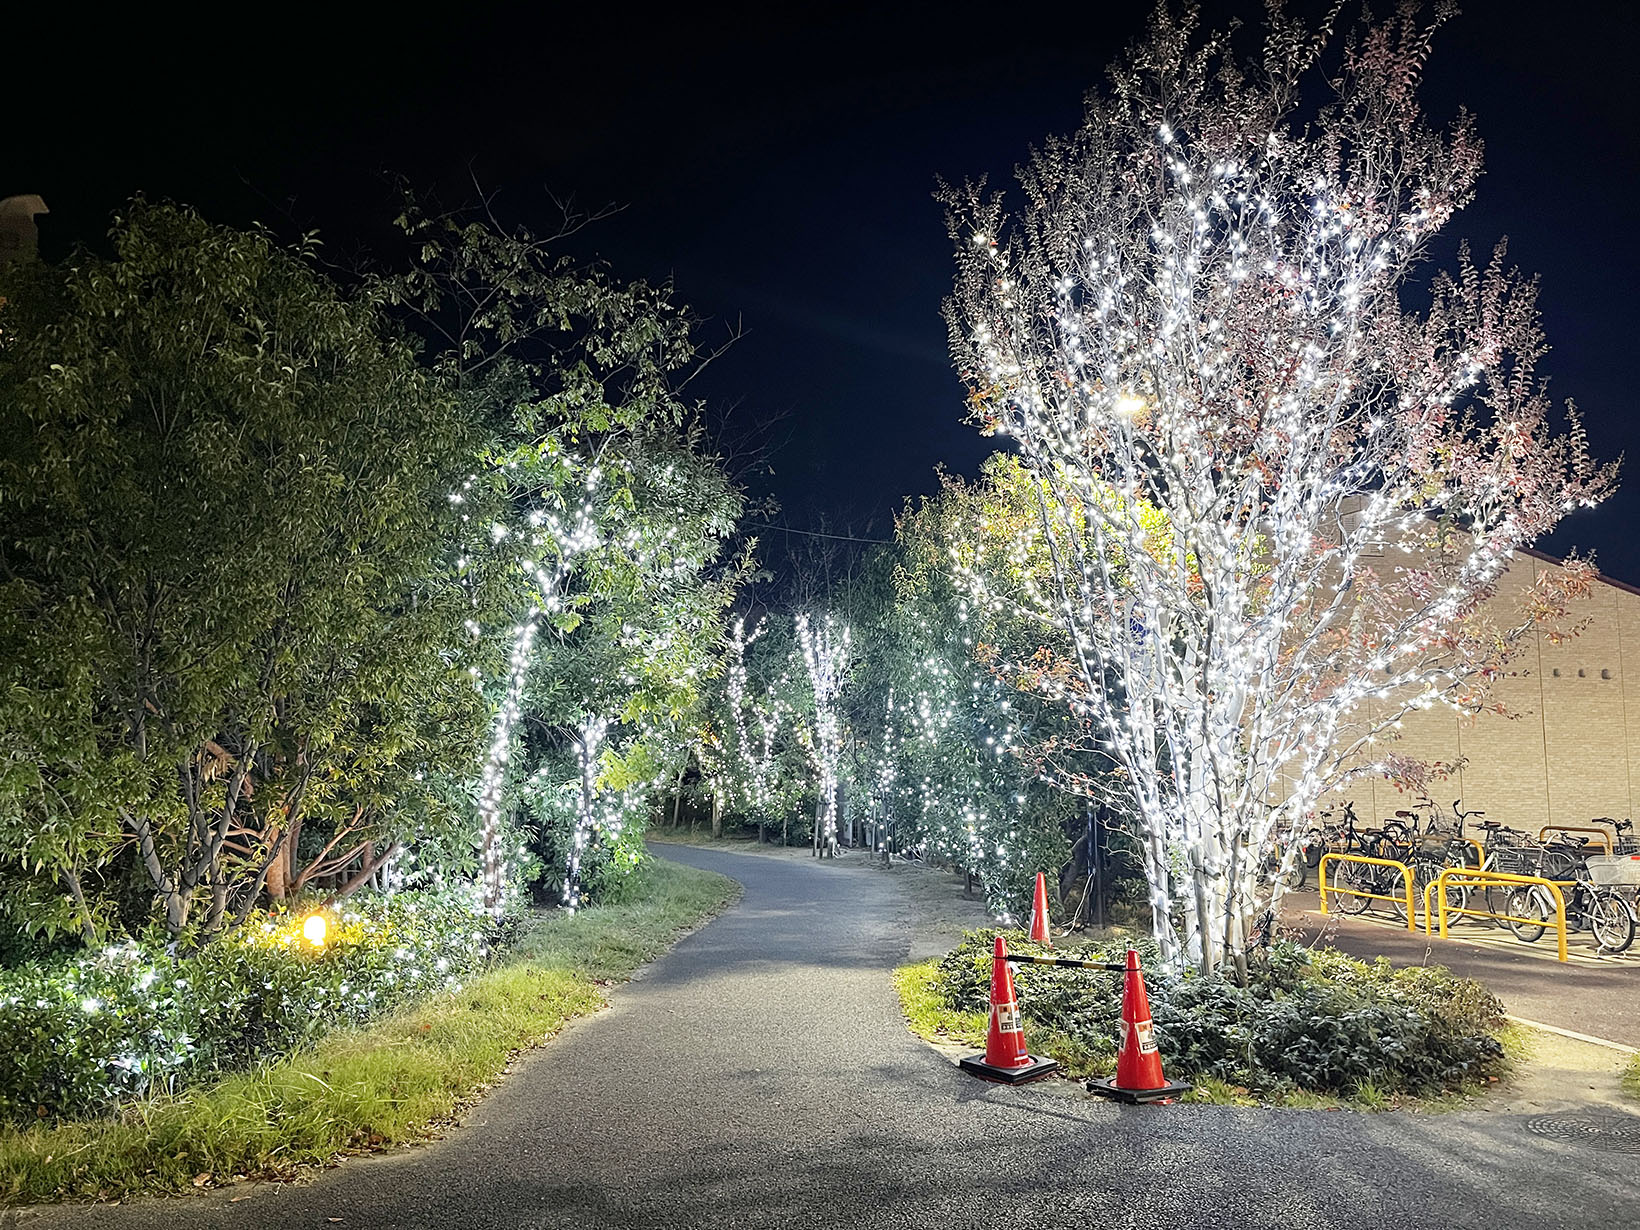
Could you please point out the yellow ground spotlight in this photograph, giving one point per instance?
(314, 929)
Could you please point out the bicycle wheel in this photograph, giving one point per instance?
(1424, 871)
(1609, 921)
(1345, 879)
(1531, 905)
(1457, 901)
(1392, 887)
(1389, 884)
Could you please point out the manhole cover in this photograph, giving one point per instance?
(1612, 1133)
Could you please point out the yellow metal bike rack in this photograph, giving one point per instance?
(1406, 879)
(1435, 905)
(1605, 837)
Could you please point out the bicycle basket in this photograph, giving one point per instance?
(1517, 860)
(1614, 869)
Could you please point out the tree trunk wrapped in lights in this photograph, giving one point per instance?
(567, 537)
(493, 780)
(825, 646)
(748, 772)
(588, 749)
(1195, 334)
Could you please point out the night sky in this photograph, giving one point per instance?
(779, 165)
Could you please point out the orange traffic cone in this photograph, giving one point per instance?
(1039, 913)
(1006, 1058)
(1138, 1064)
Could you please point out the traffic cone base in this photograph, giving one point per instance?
(1036, 1067)
(1106, 1087)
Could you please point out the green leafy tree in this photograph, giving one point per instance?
(620, 518)
(228, 566)
(615, 686)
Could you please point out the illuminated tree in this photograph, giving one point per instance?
(967, 751)
(615, 514)
(1199, 315)
(616, 679)
(752, 715)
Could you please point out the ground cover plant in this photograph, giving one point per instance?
(1306, 1022)
(372, 1086)
(137, 1018)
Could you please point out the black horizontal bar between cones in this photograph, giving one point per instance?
(1069, 962)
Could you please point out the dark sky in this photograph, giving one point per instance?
(779, 164)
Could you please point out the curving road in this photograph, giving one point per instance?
(760, 1075)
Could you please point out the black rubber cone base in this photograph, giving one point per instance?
(1039, 1067)
(1107, 1088)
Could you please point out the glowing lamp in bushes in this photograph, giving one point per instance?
(314, 929)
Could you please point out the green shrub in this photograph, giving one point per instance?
(137, 1019)
(1317, 1021)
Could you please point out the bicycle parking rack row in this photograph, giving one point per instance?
(1468, 877)
(1438, 906)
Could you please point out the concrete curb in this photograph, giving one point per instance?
(1574, 1035)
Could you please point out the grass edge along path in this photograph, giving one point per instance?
(1631, 1078)
(363, 1089)
(949, 1028)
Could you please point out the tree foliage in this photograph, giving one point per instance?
(227, 567)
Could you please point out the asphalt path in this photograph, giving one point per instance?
(760, 1075)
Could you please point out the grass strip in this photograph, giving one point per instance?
(735, 840)
(368, 1088)
(1631, 1078)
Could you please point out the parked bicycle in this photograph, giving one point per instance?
(1408, 824)
(1619, 871)
(1431, 851)
(1353, 881)
(1509, 851)
(1344, 836)
(1590, 907)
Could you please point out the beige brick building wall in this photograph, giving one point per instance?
(1569, 748)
